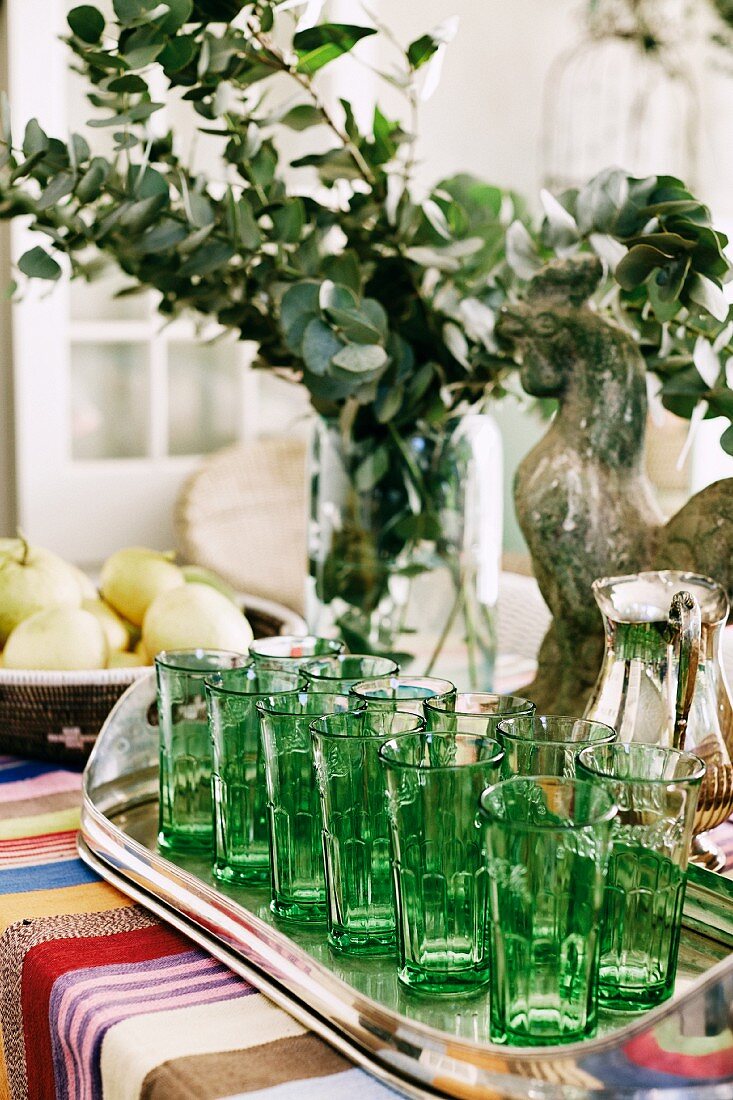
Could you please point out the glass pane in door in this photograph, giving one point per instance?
(204, 396)
(110, 396)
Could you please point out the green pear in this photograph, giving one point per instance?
(132, 578)
(60, 638)
(199, 574)
(31, 580)
(195, 616)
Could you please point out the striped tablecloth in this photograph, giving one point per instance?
(100, 999)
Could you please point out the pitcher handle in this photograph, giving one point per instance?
(684, 619)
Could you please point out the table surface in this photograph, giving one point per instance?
(98, 998)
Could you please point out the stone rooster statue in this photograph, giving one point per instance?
(582, 498)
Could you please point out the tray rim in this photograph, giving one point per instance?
(150, 871)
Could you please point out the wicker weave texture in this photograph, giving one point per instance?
(243, 514)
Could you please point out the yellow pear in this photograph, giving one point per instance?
(195, 616)
(115, 631)
(126, 660)
(132, 578)
(31, 580)
(59, 638)
(87, 586)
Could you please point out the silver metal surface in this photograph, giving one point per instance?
(419, 1046)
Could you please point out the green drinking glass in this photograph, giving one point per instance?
(547, 846)
(401, 693)
(433, 783)
(185, 819)
(339, 673)
(287, 652)
(293, 810)
(241, 847)
(656, 790)
(477, 712)
(361, 917)
(539, 744)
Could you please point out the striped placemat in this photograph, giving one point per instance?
(99, 999)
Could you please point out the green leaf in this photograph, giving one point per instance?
(179, 13)
(162, 237)
(344, 269)
(79, 148)
(704, 292)
(131, 11)
(361, 358)
(320, 344)
(144, 182)
(143, 213)
(638, 264)
(90, 185)
(179, 53)
(421, 50)
(302, 117)
(317, 46)
(143, 46)
(34, 140)
(388, 403)
(242, 223)
(377, 315)
(58, 188)
(86, 23)
(128, 82)
(334, 297)
(298, 300)
(726, 440)
(212, 257)
(333, 165)
(288, 221)
(139, 113)
(598, 203)
(37, 264)
(372, 469)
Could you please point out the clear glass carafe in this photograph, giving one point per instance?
(662, 681)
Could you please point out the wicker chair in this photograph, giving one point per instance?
(243, 514)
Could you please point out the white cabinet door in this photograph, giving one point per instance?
(112, 408)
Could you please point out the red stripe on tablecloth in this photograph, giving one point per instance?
(46, 962)
(646, 1051)
(49, 842)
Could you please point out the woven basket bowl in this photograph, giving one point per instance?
(57, 715)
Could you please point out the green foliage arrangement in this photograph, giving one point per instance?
(382, 304)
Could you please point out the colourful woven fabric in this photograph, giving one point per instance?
(98, 999)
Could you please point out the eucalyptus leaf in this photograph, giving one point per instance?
(59, 187)
(361, 358)
(297, 301)
(302, 117)
(34, 139)
(320, 345)
(211, 257)
(319, 45)
(86, 22)
(37, 264)
(372, 469)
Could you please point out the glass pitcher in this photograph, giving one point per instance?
(662, 679)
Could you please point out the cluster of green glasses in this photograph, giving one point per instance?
(485, 847)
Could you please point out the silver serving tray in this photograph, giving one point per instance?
(682, 1050)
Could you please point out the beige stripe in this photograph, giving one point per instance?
(134, 1047)
(209, 1076)
(44, 804)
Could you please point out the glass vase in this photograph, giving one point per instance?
(405, 543)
